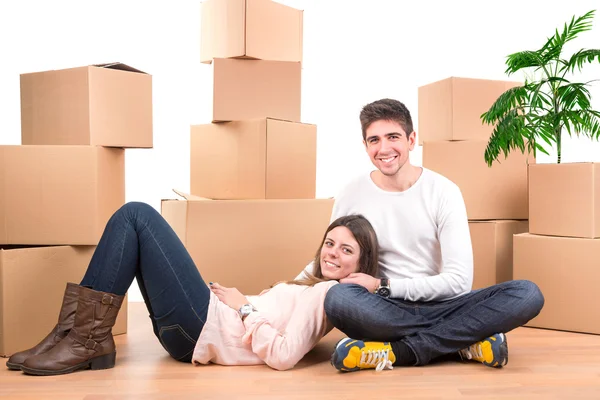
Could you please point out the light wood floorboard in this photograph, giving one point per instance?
(543, 364)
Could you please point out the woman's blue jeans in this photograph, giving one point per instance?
(138, 243)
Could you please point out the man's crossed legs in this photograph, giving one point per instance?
(393, 331)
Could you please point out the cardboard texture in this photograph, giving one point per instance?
(249, 89)
(493, 251)
(451, 109)
(32, 286)
(564, 199)
(259, 29)
(104, 105)
(59, 194)
(249, 244)
(490, 193)
(566, 271)
(257, 159)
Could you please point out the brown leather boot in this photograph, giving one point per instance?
(66, 318)
(89, 344)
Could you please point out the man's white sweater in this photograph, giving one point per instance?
(423, 233)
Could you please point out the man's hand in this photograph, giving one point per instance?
(230, 296)
(367, 281)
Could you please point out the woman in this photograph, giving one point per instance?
(192, 322)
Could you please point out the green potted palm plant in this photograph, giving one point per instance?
(536, 116)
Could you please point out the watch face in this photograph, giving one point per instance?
(384, 292)
(246, 309)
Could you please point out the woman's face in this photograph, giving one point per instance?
(339, 254)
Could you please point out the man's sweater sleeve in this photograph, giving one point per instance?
(456, 276)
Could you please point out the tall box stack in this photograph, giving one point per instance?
(61, 185)
(454, 141)
(560, 252)
(252, 218)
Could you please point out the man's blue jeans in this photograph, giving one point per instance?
(433, 329)
(138, 243)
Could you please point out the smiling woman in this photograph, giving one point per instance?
(192, 322)
(349, 245)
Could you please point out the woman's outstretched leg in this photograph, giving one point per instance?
(137, 242)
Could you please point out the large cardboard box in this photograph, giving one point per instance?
(492, 243)
(259, 29)
(564, 199)
(248, 89)
(566, 271)
(59, 194)
(490, 193)
(104, 105)
(451, 109)
(254, 159)
(32, 286)
(249, 244)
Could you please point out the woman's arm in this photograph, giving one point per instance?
(283, 350)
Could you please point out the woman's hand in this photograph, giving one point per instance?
(230, 296)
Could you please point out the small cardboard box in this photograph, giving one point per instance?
(254, 159)
(249, 89)
(490, 193)
(53, 195)
(259, 29)
(32, 286)
(564, 199)
(566, 271)
(249, 244)
(493, 251)
(103, 105)
(451, 109)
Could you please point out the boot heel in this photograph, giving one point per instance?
(104, 362)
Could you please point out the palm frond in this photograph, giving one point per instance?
(577, 60)
(537, 98)
(511, 99)
(553, 47)
(506, 136)
(523, 59)
(573, 94)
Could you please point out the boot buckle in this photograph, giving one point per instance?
(91, 344)
(107, 299)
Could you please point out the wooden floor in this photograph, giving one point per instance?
(543, 365)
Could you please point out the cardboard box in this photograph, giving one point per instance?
(103, 105)
(254, 159)
(451, 109)
(59, 194)
(32, 286)
(259, 29)
(493, 250)
(490, 193)
(566, 271)
(249, 244)
(248, 89)
(564, 199)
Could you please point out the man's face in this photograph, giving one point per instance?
(388, 147)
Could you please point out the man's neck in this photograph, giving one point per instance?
(406, 177)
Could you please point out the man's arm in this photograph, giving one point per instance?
(456, 276)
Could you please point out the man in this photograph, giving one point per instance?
(423, 306)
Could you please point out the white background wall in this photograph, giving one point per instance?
(354, 52)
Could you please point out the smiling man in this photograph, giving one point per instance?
(422, 306)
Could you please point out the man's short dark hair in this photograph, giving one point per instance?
(387, 110)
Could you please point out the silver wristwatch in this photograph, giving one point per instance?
(245, 310)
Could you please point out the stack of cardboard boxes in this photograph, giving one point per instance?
(59, 188)
(454, 141)
(561, 251)
(252, 218)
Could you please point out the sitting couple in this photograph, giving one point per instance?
(393, 272)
